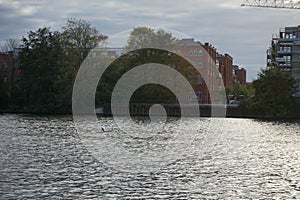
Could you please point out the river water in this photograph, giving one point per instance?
(44, 157)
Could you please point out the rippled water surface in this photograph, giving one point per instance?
(44, 157)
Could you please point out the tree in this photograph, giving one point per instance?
(10, 44)
(145, 37)
(140, 50)
(151, 46)
(273, 92)
(240, 90)
(41, 71)
(78, 38)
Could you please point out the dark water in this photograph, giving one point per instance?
(43, 157)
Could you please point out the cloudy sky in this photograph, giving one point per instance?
(244, 33)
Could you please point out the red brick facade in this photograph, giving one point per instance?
(226, 69)
(204, 58)
(9, 67)
(240, 76)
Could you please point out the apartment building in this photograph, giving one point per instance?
(225, 65)
(202, 56)
(284, 53)
(239, 75)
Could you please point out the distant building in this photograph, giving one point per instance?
(106, 52)
(9, 66)
(226, 68)
(284, 53)
(235, 67)
(220, 68)
(239, 75)
(202, 56)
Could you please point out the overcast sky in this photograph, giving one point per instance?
(244, 33)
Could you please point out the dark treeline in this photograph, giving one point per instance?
(139, 50)
(49, 61)
(273, 95)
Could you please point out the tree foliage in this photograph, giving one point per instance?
(145, 37)
(140, 50)
(41, 70)
(10, 44)
(78, 38)
(240, 90)
(49, 62)
(273, 93)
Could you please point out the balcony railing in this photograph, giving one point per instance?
(284, 52)
(278, 59)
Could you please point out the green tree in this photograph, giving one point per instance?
(49, 62)
(41, 70)
(273, 93)
(10, 44)
(145, 37)
(140, 51)
(78, 38)
(240, 90)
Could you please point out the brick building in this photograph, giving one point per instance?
(240, 76)
(226, 68)
(9, 66)
(204, 58)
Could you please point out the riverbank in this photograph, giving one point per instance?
(173, 110)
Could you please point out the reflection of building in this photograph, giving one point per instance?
(9, 67)
(284, 52)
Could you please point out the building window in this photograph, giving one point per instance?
(191, 52)
(196, 52)
(290, 35)
(5, 79)
(287, 58)
(199, 52)
(285, 49)
(200, 65)
(199, 94)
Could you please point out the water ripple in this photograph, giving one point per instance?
(43, 157)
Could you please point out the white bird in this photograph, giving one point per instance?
(103, 128)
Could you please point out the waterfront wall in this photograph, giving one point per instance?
(174, 110)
